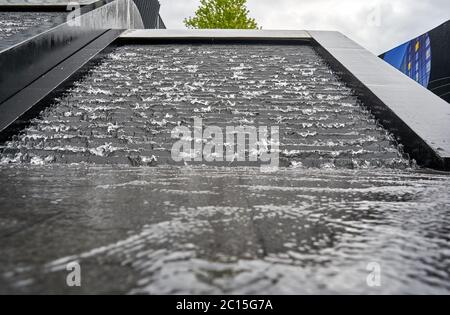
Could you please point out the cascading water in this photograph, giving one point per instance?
(344, 199)
(125, 110)
(14, 23)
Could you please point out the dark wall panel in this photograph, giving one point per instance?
(25, 62)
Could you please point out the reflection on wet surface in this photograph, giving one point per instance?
(223, 230)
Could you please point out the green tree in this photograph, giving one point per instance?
(223, 14)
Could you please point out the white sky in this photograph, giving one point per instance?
(378, 25)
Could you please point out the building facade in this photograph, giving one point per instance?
(425, 59)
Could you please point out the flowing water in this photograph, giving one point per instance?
(15, 23)
(76, 185)
(124, 112)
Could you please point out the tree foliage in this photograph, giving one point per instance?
(222, 14)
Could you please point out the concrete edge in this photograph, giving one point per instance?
(214, 34)
(418, 119)
(163, 36)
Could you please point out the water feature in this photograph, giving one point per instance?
(15, 23)
(75, 185)
(125, 110)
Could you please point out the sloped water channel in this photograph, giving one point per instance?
(92, 180)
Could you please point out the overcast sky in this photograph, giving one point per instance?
(378, 25)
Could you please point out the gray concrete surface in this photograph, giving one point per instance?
(235, 34)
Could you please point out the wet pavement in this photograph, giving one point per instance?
(75, 186)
